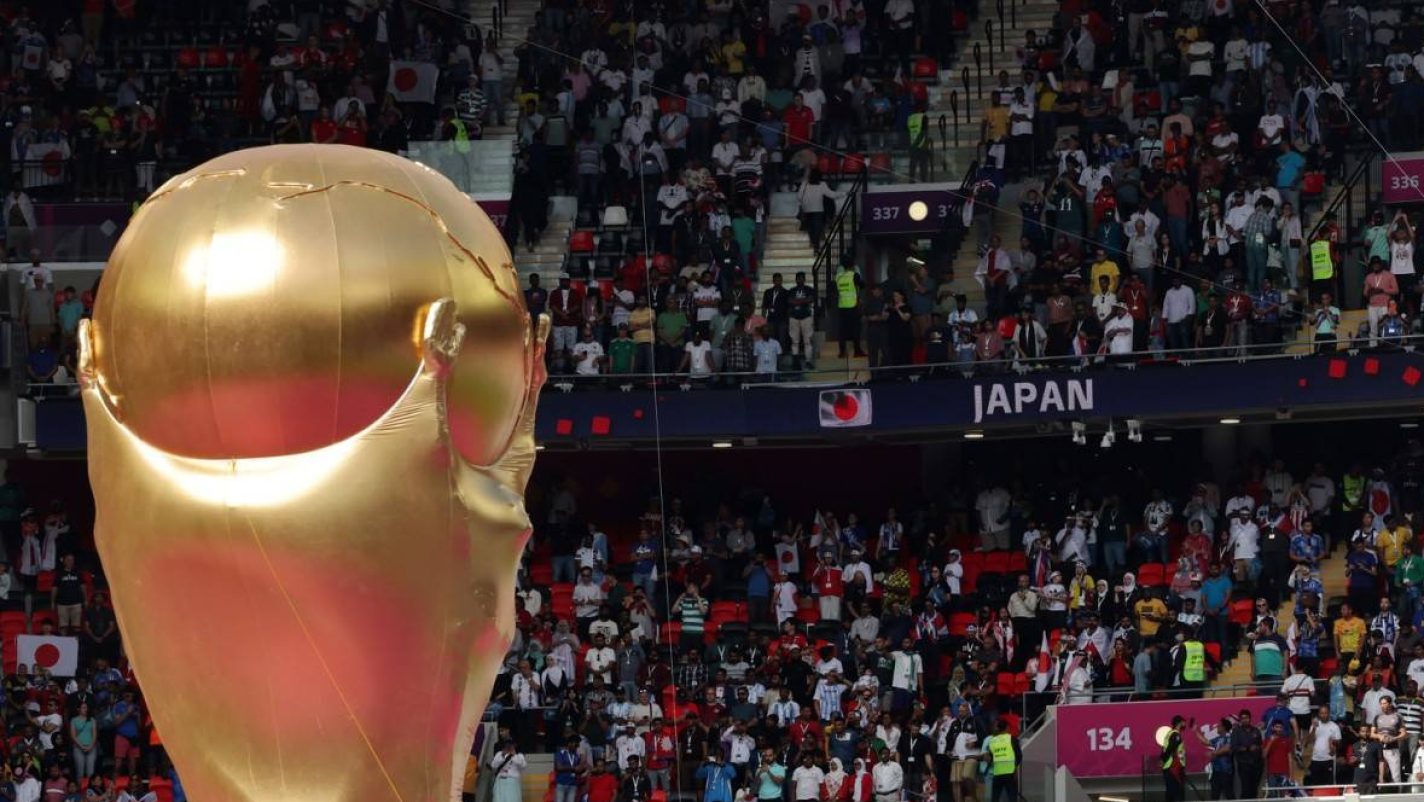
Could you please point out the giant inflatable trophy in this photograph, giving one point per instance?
(310, 384)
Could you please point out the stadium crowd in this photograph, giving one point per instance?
(697, 645)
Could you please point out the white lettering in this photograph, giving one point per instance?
(1025, 393)
(1069, 395)
(1080, 395)
(998, 401)
(1052, 398)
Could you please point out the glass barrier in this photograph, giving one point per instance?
(477, 167)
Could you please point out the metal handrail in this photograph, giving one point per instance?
(1185, 358)
(835, 232)
(989, 37)
(1343, 196)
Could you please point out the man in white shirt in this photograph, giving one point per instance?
(600, 659)
(525, 687)
(587, 596)
(1377, 693)
(1179, 306)
(1104, 300)
(1324, 737)
(992, 504)
(1278, 482)
(1244, 543)
(906, 675)
(724, 154)
(1236, 218)
(888, 778)
(806, 780)
(1072, 542)
(1117, 331)
(588, 354)
(629, 744)
(1240, 501)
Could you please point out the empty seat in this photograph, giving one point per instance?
(615, 217)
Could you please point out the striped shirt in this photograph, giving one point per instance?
(1411, 710)
(693, 616)
(829, 695)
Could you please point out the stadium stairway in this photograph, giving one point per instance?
(1028, 15)
(517, 19)
(535, 782)
(1238, 670)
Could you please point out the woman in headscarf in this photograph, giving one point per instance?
(861, 786)
(836, 785)
(1127, 594)
(535, 654)
(1106, 606)
(563, 646)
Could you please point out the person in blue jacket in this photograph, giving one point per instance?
(716, 778)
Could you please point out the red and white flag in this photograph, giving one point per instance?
(46, 164)
(56, 654)
(413, 81)
(841, 409)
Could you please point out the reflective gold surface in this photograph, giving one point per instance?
(320, 621)
(262, 304)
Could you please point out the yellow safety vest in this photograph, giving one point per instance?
(1001, 748)
(1194, 669)
(1176, 757)
(916, 124)
(462, 136)
(845, 289)
(1321, 265)
(1353, 497)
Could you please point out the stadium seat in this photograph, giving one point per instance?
(853, 163)
(880, 165)
(1018, 562)
(959, 623)
(1150, 575)
(1241, 612)
(44, 582)
(925, 69)
(1327, 668)
(581, 242)
(996, 562)
(615, 217)
(1214, 649)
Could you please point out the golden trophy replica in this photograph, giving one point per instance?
(310, 385)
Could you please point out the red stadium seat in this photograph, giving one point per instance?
(1004, 684)
(1328, 667)
(541, 574)
(670, 633)
(216, 57)
(1150, 575)
(1213, 649)
(828, 164)
(1018, 562)
(581, 242)
(1241, 612)
(188, 57)
(880, 163)
(853, 163)
(959, 623)
(925, 69)
(996, 562)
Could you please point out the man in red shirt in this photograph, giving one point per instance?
(602, 786)
(1277, 752)
(661, 752)
(799, 119)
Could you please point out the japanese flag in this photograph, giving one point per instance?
(46, 164)
(58, 655)
(413, 81)
(842, 409)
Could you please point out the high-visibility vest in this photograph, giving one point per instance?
(916, 124)
(1353, 492)
(462, 136)
(1001, 748)
(1176, 757)
(1322, 267)
(1194, 669)
(845, 289)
